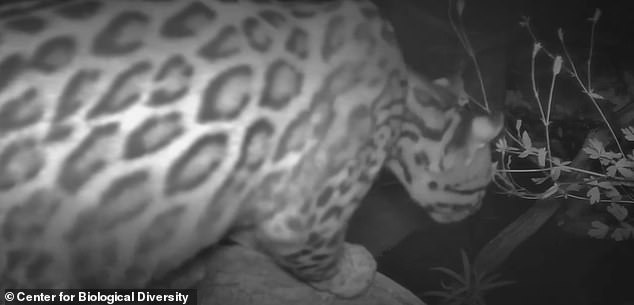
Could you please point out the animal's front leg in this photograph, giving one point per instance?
(315, 253)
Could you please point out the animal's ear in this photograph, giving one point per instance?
(454, 85)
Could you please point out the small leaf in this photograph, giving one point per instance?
(605, 185)
(518, 125)
(555, 172)
(628, 133)
(624, 232)
(613, 194)
(557, 65)
(599, 230)
(536, 47)
(501, 145)
(611, 155)
(526, 140)
(623, 165)
(618, 211)
(596, 16)
(611, 171)
(460, 7)
(594, 149)
(626, 172)
(620, 234)
(594, 195)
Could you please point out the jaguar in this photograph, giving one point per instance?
(134, 134)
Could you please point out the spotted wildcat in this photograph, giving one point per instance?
(135, 133)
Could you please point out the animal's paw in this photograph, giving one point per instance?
(355, 274)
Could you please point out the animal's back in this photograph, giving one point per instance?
(135, 133)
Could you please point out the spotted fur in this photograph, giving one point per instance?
(135, 133)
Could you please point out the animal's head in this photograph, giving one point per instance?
(443, 155)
